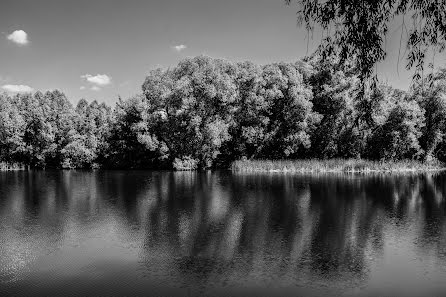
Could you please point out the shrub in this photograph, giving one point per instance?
(186, 163)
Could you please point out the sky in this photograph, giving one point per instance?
(103, 49)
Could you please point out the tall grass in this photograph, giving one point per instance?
(334, 165)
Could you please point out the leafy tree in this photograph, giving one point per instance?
(76, 154)
(59, 114)
(12, 127)
(250, 117)
(130, 144)
(431, 95)
(335, 88)
(38, 135)
(93, 124)
(191, 107)
(289, 110)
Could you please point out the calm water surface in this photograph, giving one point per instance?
(125, 233)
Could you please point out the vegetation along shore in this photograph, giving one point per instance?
(208, 113)
(335, 165)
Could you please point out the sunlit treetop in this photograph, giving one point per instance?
(358, 28)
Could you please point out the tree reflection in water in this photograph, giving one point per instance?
(220, 229)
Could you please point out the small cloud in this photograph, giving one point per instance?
(17, 88)
(95, 88)
(82, 88)
(19, 36)
(179, 47)
(98, 79)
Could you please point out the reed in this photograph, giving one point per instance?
(334, 165)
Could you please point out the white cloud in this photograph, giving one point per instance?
(17, 88)
(179, 47)
(82, 88)
(98, 79)
(18, 36)
(95, 88)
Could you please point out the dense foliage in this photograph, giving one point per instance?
(358, 28)
(209, 112)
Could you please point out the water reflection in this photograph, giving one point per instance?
(206, 231)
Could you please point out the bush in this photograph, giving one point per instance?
(77, 155)
(186, 163)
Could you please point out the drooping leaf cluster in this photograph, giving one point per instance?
(358, 28)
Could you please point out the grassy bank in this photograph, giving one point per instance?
(334, 165)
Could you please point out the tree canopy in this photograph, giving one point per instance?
(207, 113)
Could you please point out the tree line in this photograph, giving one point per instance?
(207, 112)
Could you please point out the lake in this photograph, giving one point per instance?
(148, 233)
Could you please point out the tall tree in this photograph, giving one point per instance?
(39, 135)
(130, 142)
(334, 89)
(12, 127)
(289, 109)
(431, 95)
(192, 107)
